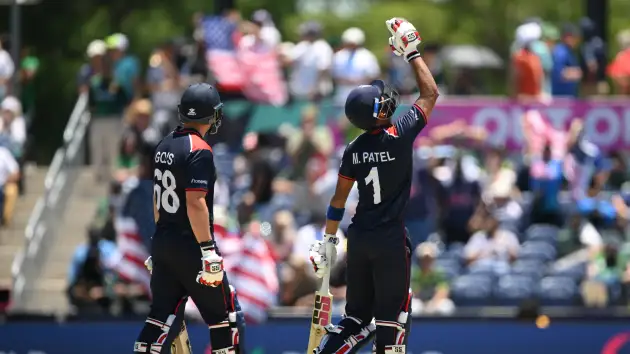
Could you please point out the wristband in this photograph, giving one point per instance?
(411, 56)
(335, 214)
(207, 245)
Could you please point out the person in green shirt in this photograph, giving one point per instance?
(429, 285)
(28, 71)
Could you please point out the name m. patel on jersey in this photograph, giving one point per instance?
(371, 157)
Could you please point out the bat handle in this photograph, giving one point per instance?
(325, 288)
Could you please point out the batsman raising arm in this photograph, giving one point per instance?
(380, 161)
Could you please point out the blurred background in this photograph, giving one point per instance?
(518, 214)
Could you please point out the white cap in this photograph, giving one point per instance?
(96, 47)
(528, 32)
(11, 104)
(354, 36)
(623, 38)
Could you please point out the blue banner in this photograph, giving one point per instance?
(291, 336)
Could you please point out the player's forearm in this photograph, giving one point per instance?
(425, 81)
(331, 227)
(199, 218)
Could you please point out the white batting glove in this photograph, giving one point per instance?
(405, 38)
(149, 264)
(211, 273)
(317, 255)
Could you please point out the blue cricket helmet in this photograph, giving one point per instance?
(367, 104)
(201, 103)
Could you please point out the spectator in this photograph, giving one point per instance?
(283, 234)
(457, 195)
(527, 69)
(502, 204)
(420, 214)
(89, 281)
(619, 170)
(491, 247)
(546, 183)
(9, 176)
(593, 59)
(550, 36)
(353, 65)
(496, 168)
(28, 72)
(257, 38)
(7, 68)
(434, 62)
(566, 71)
(310, 61)
(13, 124)
(107, 105)
(126, 68)
(269, 34)
(399, 73)
(309, 141)
(163, 82)
(619, 69)
(140, 186)
(429, 285)
(137, 122)
(196, 64)
(297, 283)
(585, 164)
(603, 278)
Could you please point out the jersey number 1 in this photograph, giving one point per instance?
(373, 178)
(167, 199)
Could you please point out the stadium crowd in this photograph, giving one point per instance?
(488, 226)
(15, 113)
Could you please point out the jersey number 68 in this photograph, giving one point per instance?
(164, 191)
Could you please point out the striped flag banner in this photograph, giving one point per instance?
(133, 253)
(257, 75)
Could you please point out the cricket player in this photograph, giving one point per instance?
(378, 255)
(184, 258)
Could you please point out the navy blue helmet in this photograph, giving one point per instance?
(201, 103)
(367, 104)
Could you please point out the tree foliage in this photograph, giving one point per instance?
(59, 31)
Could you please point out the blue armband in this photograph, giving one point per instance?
(335, 214)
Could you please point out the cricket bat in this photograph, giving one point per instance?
(181, 344)
(322, 311)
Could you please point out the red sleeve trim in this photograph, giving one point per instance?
(424, 116)
(196, 189)
(393, 130)
(197, 143)
(346, 177)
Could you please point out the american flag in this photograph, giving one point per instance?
(255, 277)
(133, 253)
(239, 69)
(221, 37)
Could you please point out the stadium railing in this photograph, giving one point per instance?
(47, 213)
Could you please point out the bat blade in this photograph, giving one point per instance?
(181, 344)
(322, 316)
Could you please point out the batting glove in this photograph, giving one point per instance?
(211, 265)
(405, 38)
(317, 254)
(149, 264)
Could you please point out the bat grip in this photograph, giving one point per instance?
(325, 288)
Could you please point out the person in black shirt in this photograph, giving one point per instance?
(380, 162)
(183, 190)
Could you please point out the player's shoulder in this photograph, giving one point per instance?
(356, 143)
(190, 141)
